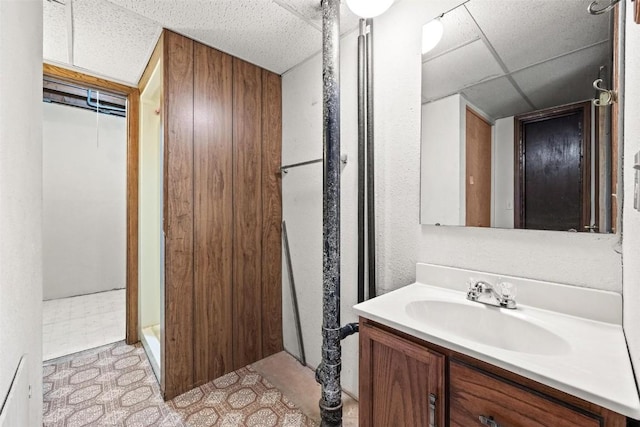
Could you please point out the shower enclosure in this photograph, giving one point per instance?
(150, 219)
(209, 284)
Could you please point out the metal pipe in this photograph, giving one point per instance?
(622, 13)
(371, 213)
(349, 329)
(606, 161)
(294, 296)
(295, 165)
(285, 168)
(329, 371)
(97, 105)
(361, 156)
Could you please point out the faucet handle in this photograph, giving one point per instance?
(507, 290)
(472, 289)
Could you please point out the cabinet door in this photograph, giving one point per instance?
(479, 399)
(401, 383)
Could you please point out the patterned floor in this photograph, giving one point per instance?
(113, 385)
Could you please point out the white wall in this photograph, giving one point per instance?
(21, 197)
(84, 195)
(443, 162)
(631, 217)
(302, 205)
(503, 173)
(576, 259)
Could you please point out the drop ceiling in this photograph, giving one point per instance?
(508, 57)
(115, 38)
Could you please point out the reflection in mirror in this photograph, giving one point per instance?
(510, 137)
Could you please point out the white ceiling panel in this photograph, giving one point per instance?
(468, 65)
(54, 32)
(525, 32)
(275, 35)
(459, 29)
(115, 38)
(567, 79)
(497, 98)
(112, 41)
(310, 11)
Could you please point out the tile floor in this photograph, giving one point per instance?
(79, 323)
(113, 386)
(299, 384)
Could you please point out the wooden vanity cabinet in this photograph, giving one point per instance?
(401, 382)
(400, 373)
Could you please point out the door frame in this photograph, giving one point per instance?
(133, 102)
(585, 165)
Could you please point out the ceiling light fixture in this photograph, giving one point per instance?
(369, 8)
(431, 34)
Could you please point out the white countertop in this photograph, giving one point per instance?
(596, 368)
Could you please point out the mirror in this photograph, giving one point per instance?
(510, 136)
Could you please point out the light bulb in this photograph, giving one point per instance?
(431, 34)
(369, 8)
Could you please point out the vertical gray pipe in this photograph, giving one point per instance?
(329, 371)
(371, 203)
(361, 156)
(606, 157)
(622, 13)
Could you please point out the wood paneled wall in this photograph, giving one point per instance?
(223, 210)
(247, 226)
(213, 213)
(271, 213)
(178, 349)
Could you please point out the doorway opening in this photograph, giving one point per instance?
(554, 189)
(88, 171)
(84, 217)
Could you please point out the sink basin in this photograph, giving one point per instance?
(488, 325)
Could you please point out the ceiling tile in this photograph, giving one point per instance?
(468, 65)
(55, 46)
(459, 29)
(112, 41)
(528, 32)
(567, 79)
(260, 31)
(311, 11)
(497, 98)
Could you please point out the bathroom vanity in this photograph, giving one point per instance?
(430, 357)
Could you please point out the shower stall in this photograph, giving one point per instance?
(209, 214)
(150, 220)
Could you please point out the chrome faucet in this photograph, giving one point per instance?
(486, 293)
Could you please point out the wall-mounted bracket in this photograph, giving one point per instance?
(592, 7)
(605, 96)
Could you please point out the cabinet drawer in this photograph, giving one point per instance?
(474, 394)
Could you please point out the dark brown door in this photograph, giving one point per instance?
(401, 383)
(552, 169)
(478, 170)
